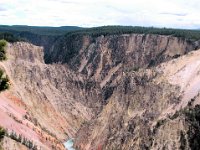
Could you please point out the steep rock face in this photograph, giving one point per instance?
(46, 41)
(128, 120)
(149, 110)
(105, 58)
(106, 88)
(51, 83)
(89, 54)
(53, 95)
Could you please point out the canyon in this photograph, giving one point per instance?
(126, 91)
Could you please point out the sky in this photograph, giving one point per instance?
(90, 13)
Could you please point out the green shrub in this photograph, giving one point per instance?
(2, 50)
(3, 43)
(4, 81)
(2, 132)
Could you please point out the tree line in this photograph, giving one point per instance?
(117, 30)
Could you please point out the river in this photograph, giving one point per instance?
(69, 144)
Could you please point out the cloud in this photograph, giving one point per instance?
(2, 8)
(90, 13)
(174, 14)
(66, 1)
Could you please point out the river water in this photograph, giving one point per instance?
(69, 144)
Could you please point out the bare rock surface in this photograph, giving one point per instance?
(50, 94)
(148, 110)
(130, 91)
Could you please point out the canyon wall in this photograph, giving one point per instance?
(153, 108)
(104, 59)
(52, 96)
(107, 92)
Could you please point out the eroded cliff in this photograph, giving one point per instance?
(107, 92)
(150, 109)
(51, 95)
(103, 59)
